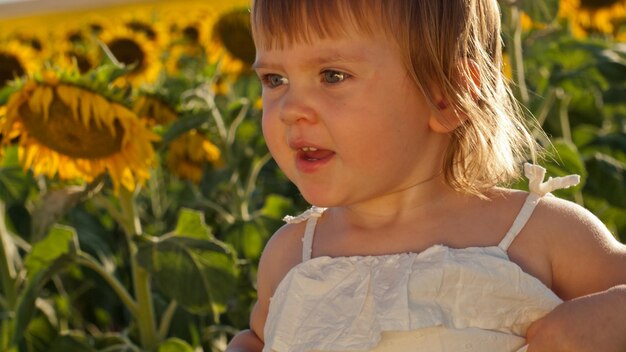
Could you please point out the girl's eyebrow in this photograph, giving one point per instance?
(316, 60)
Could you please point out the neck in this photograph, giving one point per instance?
(416, 201)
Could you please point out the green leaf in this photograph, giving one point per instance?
(276, 206)
(175, 345)
(247, 238)
(74, 341)
(40, 334)
(566, 160)
(200, 274)
(183, 125)
(191, 224)
(613, 217)
(114, 343)
(26, 304)
(607, 179)
(14, 182)
(613, 144)
(583, 135)
(543, 11)
(5, 93)
(60, 240)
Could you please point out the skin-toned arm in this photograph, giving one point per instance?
(595, 322)
(283, 251)
(589, 272)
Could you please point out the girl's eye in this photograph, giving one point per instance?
(272, 80)
(332, 76)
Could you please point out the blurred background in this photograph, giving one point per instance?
(136, 192)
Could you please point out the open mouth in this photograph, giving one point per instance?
(310, 159)
(314, 154)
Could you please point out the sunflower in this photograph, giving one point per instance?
(184, 57)
(76, 56)
(131, 48)
(74, 133)
(232, 30)
(151, 28)
(154, 109)
(593, 16)
(192, 28)
(32, 39)
(188, 154)
(16, 60)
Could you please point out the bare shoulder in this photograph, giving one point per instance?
(584, 256)
(282, 252)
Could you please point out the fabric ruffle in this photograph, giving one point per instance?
(536, 174)
(345, 303)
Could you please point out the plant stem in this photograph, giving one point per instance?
(89, 262)
(7, 268)
(564, 114)
(254, 174)
(166, 319)
(141, 278)
(517, 55)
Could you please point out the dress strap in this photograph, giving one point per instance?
(310, 216)
(538, 189)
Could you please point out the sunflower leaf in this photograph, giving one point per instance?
(182, 125)
(191, 224)
(61, 240)
(176, 261)
(612, 176)
(26, 304)
(175, 345)
(566, 161)
(191, 254)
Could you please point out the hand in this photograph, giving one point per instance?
(590, 323)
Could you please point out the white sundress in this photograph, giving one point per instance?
(439, 300)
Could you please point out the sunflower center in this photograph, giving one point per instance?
(128, 52)
(66, 135)
(82, 62)
(75, 37)
(191, 33)
(10, 68)
(597, 4)
(142, 28)
(233, 30)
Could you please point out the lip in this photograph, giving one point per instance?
(308, 165)
(311, 161)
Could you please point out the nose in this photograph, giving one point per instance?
(297, 107)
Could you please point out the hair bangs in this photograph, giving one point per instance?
(282, 23)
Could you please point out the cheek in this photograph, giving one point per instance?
(274, 134)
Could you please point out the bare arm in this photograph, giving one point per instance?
(279, 256)
(589, 272)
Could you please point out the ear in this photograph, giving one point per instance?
(445, 118)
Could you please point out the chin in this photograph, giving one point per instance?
(320, 199)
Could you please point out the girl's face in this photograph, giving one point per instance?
(344, 121)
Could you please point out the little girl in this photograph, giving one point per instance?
(392, 117)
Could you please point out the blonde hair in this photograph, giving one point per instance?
(454, 45)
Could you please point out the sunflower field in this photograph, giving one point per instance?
(136, 192)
